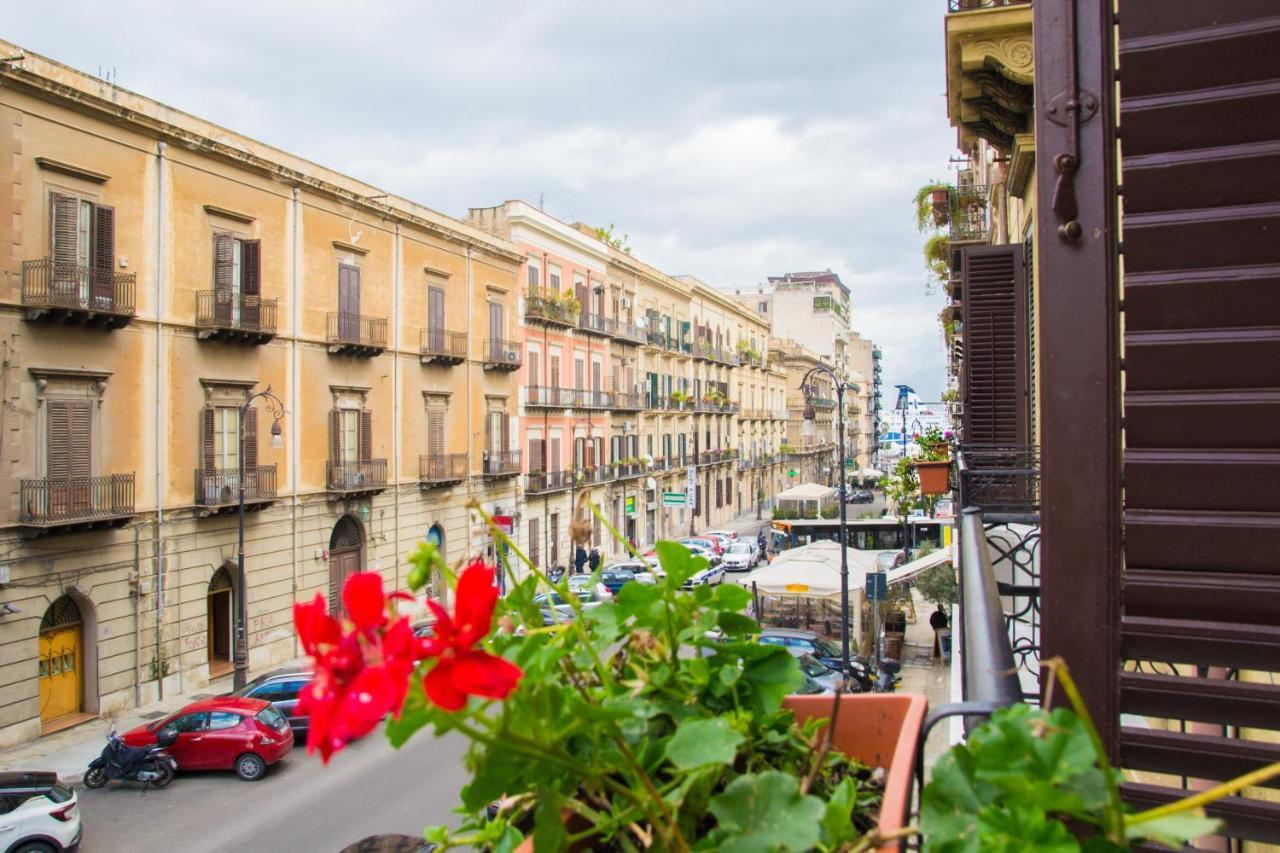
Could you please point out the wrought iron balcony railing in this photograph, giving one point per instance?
(223, 314)
(549, 309)
(969, 5)
(549, 397)
(628, 470)
(441, 346)
(968, 214)
(355, 333)
(542, 482)
(71, 501)
(220, 487)
(501, 463)
(77, 293)
(631, 333)
(364, 475)
(501, 354)
(1001, 479)
(442, 469)
(628, 401)
(597, 324)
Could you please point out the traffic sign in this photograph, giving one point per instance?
(679, 499)
(877, 586)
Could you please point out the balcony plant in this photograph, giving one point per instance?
(933, 466)
(610, 735)
(932, 205)
(569, 305)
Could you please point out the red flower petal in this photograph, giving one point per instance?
(314, 624)
(367, 700)
(473, 612)
(440, 688)
(483, 674)
(364, 600)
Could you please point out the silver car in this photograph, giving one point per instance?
(741, 556)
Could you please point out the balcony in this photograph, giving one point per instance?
(597, 324)
(548, 397)
(545, 482)
(631, 333)
(628, 401)
(355, 479)
(218, 489)
(592, 398)
(443, 347)
(717, 457)
(706, 351)
(77, 295)
(594, 476)
(438, 471)
(501, 463)
(549, 310)
(968, 215)
(501, 355)
(990, 70)
(655, 338)
(355, 334)
(823, 404)
(222, 315)
(628, 470)
(79, 503)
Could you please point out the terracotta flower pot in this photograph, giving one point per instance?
(878, 729)
(934, 477)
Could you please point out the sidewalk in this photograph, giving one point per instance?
(69, 752)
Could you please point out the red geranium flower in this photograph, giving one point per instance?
(462, 669)
(362, 674)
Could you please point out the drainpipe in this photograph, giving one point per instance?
(444, 588)
(295, 445)
(397, 271)
(137, 619)
(161, 148)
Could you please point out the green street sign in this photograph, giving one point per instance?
(675, 499)
(791, 473)
(629, 504)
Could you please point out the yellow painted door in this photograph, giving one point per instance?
(60, 653)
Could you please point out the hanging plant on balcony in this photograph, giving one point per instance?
(932, 205)
(937, 260)
(569, 304)
(933, 466)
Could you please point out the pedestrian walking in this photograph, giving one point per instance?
(579, 560)
(939, 622)
(593, 561)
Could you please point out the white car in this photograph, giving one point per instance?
(37, 812)
(647, 570)
(710, 576)
(740, 556)
(731, 535)
(724, 540)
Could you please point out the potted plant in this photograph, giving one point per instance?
(932, 205)
(623, 727)
(933, 466)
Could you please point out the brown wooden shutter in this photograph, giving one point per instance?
(64, 211)
(335, 436)
(553, 457)
(995, 346)
(505, 421)
(81, 448)
(435, 429)
(366, 435)
(58, 439)
(104, 254)
(250, 439)
(206, 437)
(223, 263)
(250, 283)
(553, 379)
(536, 456)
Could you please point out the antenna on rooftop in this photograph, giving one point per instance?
(542, 197)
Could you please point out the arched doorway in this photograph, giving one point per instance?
(61, 661)
(346, 556)
(219, 614)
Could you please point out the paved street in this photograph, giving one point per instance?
(300, 805)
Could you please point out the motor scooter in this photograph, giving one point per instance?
(151, 765)
(887, 679)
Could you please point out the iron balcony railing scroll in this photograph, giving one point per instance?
(443, 345)
(364, 474)
(1000, 478)
(631, 333)
(541, 482)
(501, 463)
(969, 220)
(502, 354)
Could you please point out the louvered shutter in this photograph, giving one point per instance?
(505, 435)
(223, 263)
(435, 319)
(553, 457)
(554, 378)
(435, 429)
(250, 284)
(104, 255)
(58, 439)
(995, 345)
(206, 438)
(335, 436)
(537, 460)
(64, 279)
(81, 443)
(366, 435)
(250, 439)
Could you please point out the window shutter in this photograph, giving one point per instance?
(505, 420)
(553, 458)
(536, 460)
(63, 213)
(335, 436)
(81, 444)
(206, 438)
(58, 438)
(554, 379)
(250, 439)
(995, 346)
(104, 254)
(250, 283)
(366, 435)
(435, 429)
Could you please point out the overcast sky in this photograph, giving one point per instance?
(730, 140)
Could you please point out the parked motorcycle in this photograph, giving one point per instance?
(150, 765)
(887, 679)
(555, 574)
(862, 673)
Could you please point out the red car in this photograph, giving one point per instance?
(225, 733)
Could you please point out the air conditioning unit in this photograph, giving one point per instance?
(625, 302)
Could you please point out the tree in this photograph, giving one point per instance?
(606, 235)
(938, 585)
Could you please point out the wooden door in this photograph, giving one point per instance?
(60, 661)
(348, 303)
(495, 331)
(342, 564)
(219, 621)
(69, 461)
(435, 319)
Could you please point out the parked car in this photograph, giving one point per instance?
(582, 583)
(702, 548)
(557, 609)
(223, 733)
(862, 496)
(646, 570)
(704, 542)
(709, 576)
(824, 675)
(616, 578)
(731, 535)
(804, 642)
(720, 539)
(37, 813)
(741, 556)
(281, 687)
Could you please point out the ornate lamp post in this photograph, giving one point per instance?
(241, 654)
(807, 386)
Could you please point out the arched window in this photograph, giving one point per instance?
(346, 534)
(436, 537)
(61, 614)
(221, 581)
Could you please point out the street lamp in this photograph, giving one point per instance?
(810, 392)
(241, 653)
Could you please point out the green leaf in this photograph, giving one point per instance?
(765, 812)
(837, 820)
(548, 827)
(414, 714)
(604, 620)
(731, 596)
(636, 599)
(678, 562)
(772, 675)
(737, 624)
(1173, 830)
(700, 742)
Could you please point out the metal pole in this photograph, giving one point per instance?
(242, 646)
(844, 541)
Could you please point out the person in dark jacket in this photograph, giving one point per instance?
(938, 621)
(579, 560)
(593, 561)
